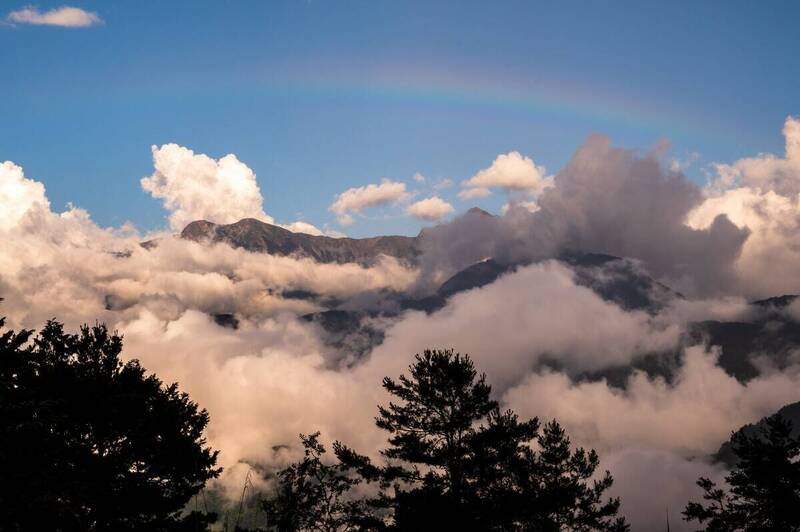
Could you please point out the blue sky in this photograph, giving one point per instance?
(317, 97)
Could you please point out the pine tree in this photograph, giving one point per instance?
(455, 462)
(764, 486)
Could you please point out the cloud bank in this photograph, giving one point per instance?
(536, 331)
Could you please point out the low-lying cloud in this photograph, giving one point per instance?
(535, 331)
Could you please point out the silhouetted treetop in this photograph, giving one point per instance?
(89, 442)
(763, 488)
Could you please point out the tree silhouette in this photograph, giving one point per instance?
(311, 495)
(455, 462)
(88, 442)
(764, 492)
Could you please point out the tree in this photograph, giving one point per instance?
(312, 496)
(455, 462)
(88, 442)
(764, 486)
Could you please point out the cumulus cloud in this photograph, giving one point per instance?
(761, 195)
(419, 178)
(197, 187)
(19, 196)
(355, 200)
(609, 200)
(766, 171)
(510, 171)
(65, 17)
(431, 209)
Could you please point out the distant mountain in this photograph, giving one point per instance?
(621, 281)
(473, 276)
(257, 236)
(790, 412)
(770, 331)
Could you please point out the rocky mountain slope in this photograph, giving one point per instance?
(257, 236)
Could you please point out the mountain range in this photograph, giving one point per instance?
(622, 281)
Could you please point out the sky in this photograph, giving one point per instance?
(320, 97)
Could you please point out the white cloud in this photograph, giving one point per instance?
(527, 315)
(766, 171)
(511, 171)
(19, 196)
(761, 194)
(354, 200)
(431, 209)
(419, 178)
(66, 17)
(197, 187)
(474, 193)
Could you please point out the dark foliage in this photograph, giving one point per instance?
(764, 486)
(88, 442)
(311, 495)
(455, 462)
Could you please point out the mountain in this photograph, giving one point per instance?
(257, 236)
(770, 331)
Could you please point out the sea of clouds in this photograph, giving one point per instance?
(274, 376)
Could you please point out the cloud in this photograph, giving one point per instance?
(474, 193)
(766, 172)
(65, 17)
(355, 200)
(19, 196)
(761, 195)
(527, 316)
(530, 206)
(431, 209)
(303, 227)
(511, 171)
(254, 380)
(609, 200)
(419, 178)
(656, 437)
(197, 187)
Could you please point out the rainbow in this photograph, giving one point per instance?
(528, 97)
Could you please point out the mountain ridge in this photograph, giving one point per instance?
(262, 237)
